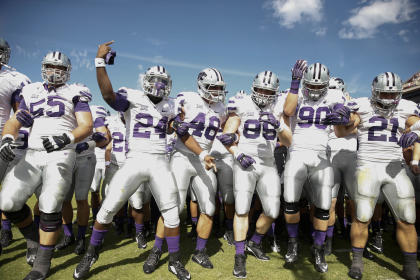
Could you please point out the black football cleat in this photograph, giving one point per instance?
(319, 259)
(256, 250)
(376, 242)
(6, 237)
(292, 251)
(65, 242)
(91, 256)
(152, 260)
(31, 255)
(201, 257)
(228, 236)
(80, 248)
(177, 268)
(355, 273)
(141, 240)
(239, 269)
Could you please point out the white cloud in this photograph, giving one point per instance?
(366, 20)
(404, 35)
(140, 66)
(26, 53)
(291, 12)
(321, 31)
(80, 59)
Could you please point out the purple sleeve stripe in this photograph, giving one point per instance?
(231, 101)
(16, 96)
(58, 97)
(85, 93)
(100, 114)
(182, 102)
(179, 95)
(231, 108)
(99, 122)
(121, 103)
(22, 104)
(81, 107)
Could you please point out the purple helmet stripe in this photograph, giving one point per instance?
(269, 77)
(393, 79)
(265, 74)
(387, 78)
(313, 75)
(217, 75)
(59, 55)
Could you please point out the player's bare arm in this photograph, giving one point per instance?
(102, 76)
(84, 126)
(350, 128)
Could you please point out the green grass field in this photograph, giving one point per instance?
(121, 259)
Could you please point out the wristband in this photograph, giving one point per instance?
(99, 62)
(294, 86)
(415, 126)
(71, 136)
(8, 136)
(202, 155)
(107, 163)
(414, 162)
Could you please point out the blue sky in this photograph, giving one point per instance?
(356, 39)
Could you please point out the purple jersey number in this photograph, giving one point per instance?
(252, 130)
(198, 124)
(55, 107)
(382, 125)
(117, 140)
(145, 121)
(307, 114)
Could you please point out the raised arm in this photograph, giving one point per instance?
(102, 76)
(292, 97)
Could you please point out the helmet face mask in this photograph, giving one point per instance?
(157, 82)
(315, 81)
(264, 88)
(56, 68)
(4, 52)
(211, 85)
(386, 93)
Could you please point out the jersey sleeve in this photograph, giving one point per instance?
(21, 81)
(99, 115)
(81, 98)
(180, 102)
(409, 108)
(234, 105)
(120, 104)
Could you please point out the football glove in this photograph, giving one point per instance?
(245, 161)
(227, 139)
(109, 58)
(181, 128)
(269, 118)
(339, 116)
(56, 143)
(25, 118)
(80, 147)
(98, 137)
(6, 149)
(408, 139)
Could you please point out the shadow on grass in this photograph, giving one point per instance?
(5, 261)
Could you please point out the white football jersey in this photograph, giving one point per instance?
(309, 132)
(99, 115)
(11, 83)
(119, 141)
(53, 111)
(204, 119)
(147, 122)
(378, 136)
(256, 138)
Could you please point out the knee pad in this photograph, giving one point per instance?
(50, 222)
(170, 217)
(322, 214)
(18, 216)
(291, 207)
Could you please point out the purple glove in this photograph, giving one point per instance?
(339, 116)
(25, 118)
(297, 73)
(109, 58)
(80, 147)
(227, 139)
(181, 127)
(408, 139)
(245, 161)
(98, 137)
(269, 118)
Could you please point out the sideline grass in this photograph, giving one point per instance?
(121, 259)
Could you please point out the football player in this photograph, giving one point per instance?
(380, 122)
(99, 175)
(307, 159)
(257, 118)
(59, 116)
(11, 83)
(204, 112)
(82, 179)
(343, 160)
(147, 114)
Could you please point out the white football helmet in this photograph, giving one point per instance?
(386, 92)
(315, 81)
(266, 81)
(52, 75)
(241, 93)
(211, 85)
(337, 83)
(4, 52)
(157, 82)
